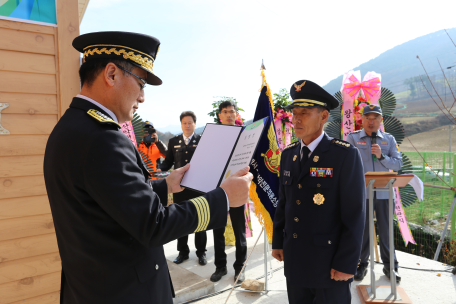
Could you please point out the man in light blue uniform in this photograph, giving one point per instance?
(382, 156)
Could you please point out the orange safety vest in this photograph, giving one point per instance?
(153, 153)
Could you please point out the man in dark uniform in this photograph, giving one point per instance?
(109, 220)
(227, 114)
(319, 221)
(181, 149)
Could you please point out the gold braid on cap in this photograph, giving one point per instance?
(308, 103)
(147, 62)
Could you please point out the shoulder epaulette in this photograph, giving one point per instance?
(102, 118)
(341, 143)
(291, 145)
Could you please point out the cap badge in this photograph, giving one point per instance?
(371, 107)
(299, 87)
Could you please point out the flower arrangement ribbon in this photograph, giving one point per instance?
(283, 128)
(127, 129)
(370, 86)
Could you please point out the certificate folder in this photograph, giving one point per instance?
(222, 151)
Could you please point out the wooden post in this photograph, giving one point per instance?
(68, 57)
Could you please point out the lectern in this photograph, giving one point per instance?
(383, 294)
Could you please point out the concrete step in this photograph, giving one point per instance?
(188, 285)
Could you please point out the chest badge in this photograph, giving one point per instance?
(180, 141)
(319, 199)
(316, 158)
(294, 157)
(194, 141)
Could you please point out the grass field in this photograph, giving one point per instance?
(436, 140)
(411, 120)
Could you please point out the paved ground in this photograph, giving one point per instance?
(421, 286)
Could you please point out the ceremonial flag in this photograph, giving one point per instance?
(265, 165)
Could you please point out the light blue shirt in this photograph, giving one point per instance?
(388, 145)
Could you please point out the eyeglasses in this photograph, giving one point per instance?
(228, 112)
(143, 81)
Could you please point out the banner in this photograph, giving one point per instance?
(265, 165)
(29, 10)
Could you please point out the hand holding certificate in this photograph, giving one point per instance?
(222, 151)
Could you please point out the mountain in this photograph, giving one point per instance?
(400, 62)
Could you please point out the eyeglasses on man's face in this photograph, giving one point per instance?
(143, 81)
(232, 112)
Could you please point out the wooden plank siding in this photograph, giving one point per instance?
(38, 72)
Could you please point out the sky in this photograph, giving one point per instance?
(215, 48)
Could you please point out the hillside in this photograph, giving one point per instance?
(400, 62)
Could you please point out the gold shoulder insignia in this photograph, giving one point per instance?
(102, 117)
(291, 145)
(341, 143)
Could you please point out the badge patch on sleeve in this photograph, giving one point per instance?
(321, 172)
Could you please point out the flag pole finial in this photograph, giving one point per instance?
(263, 68)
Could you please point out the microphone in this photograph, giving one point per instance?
(374, 142)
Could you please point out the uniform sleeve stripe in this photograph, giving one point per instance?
(198, 210)
(207, 212)
(202, 207)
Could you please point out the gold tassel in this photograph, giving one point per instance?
(260, 211)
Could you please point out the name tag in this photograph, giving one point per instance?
(384, 143)
(361, 143)
(321, 172)
(177, 146)
(286, 173)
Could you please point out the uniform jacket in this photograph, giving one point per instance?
(179, 154)
(388, 145)
(154, 151)
(109, 221)
(316, 238)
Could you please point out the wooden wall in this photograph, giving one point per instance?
(38, 78)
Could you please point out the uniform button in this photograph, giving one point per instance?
(186, 152)
(298, 202)
(286, 182)
(318, 185)
(186, 160)
(299, 186)
(329, 242)
(156, 267)
(296, 219)
(295, 235)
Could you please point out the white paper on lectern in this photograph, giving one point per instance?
(418, 186)
(245, 147)
(210, 157)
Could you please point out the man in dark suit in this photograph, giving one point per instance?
(227, 114)
(180, 152)
(109, 220)
(319, 221)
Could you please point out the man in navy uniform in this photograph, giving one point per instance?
(109, 220)
(227, 114)
(180, 152)
(387, 156)
(320, 216)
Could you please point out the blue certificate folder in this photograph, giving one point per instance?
(222, 151)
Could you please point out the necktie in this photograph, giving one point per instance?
(305, 155)
(186, 141)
